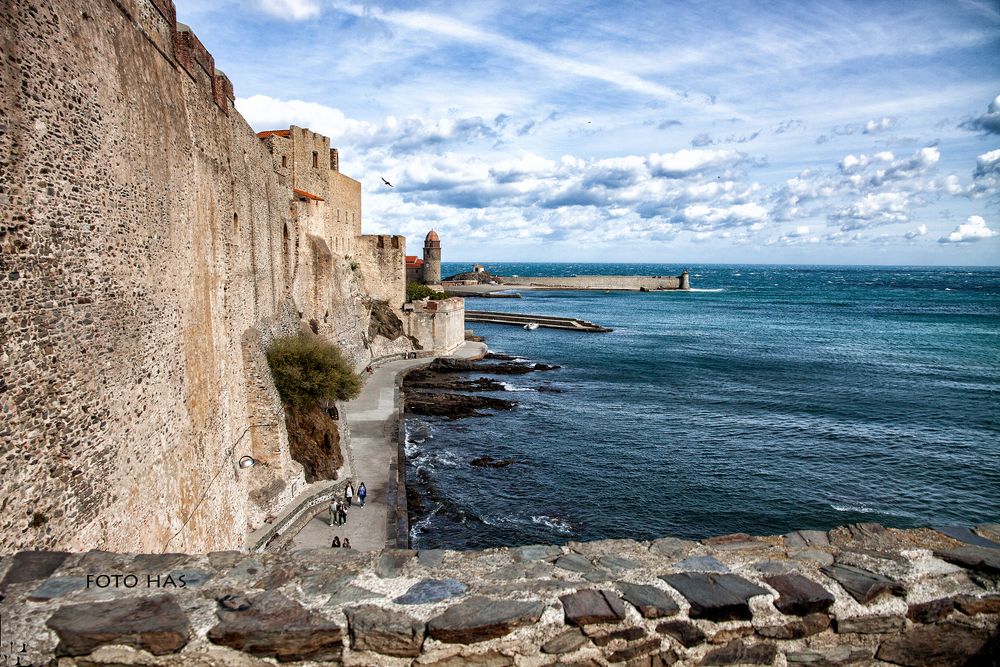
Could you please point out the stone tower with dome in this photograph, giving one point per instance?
(428, 269)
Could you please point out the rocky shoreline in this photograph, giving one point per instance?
(443, 389)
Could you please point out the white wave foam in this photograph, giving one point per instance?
(509, 387)
(553, 522)
(706, 289)
(865, 509)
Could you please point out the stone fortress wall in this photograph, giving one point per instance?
(151, 245)
(859, 595)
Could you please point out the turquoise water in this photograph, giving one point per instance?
(769, 399)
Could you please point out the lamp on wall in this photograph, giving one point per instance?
(247, 462)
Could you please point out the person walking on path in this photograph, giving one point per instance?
(341, 513)
(334, 512)
(362, 492)
(349, 493)
(347, 543)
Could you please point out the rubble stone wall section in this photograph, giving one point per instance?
(438, 325)
(858, 595)
(149, 252)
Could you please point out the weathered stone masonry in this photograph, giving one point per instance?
(150, 248)
(858, 595)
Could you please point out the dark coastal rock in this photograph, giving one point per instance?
(803, 627)
(384, 631)
(798, 595)
(454, 406)
(504, 368)
(499, 356)
(652, 602)
(977, 559)
(490, 462)
(32, 566)
(869, 625)
(686, 632)
(716, 597)
(423, 379)
(549, 389)
(479, 619)
(432, 590)
(564, 643)
(945, 645)
(836, 656)
(590, 606)
(737, 652)
(155, 624)
(274, 626)
(864, 586)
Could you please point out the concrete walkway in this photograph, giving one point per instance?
(372, 445)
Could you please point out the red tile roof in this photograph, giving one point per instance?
(413, 262)
(274, 133)
(307, 195)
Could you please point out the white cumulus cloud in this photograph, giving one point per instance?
(291, 10)
(974, 229)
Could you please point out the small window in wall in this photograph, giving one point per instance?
(315, 159)
(284, 160)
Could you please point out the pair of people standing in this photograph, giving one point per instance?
(338, 513)
(349, 494)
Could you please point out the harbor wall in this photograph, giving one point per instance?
(635, 283)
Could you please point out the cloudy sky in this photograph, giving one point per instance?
(791, 132)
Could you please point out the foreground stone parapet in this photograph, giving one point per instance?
(858, 595)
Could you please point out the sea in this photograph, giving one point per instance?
(765, 400)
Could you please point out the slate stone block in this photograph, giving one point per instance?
(870, 625)
(635, 651)
(737, 652)
(602, 638)
(617, 563)
(977, 559)
(864, 586)
(277, 627)
(931, 611)
(671, 547)
(963, 534)
(57, 587)
(716, 597)
(565, 642)
(384, 631)
(652, 602)
(590, 606)
(155, 624)
(836, 656)
(798, 595)
(806, 626)
(687, 633)
(479, 619)
(574, 563)
(32, 566)
(432, 590)
(944, 645)
(972, 605)
(535, 552)
(703, 564)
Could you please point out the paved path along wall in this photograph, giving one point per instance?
(858, 595)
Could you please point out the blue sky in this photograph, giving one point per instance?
(798, 132)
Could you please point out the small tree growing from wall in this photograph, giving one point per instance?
(416, 291)
(308, 371)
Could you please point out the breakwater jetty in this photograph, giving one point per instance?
(546, 321)
(614, 283)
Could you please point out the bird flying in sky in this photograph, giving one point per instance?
(387, 182)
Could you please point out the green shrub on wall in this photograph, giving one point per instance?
(416, 291)
(309, 371)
